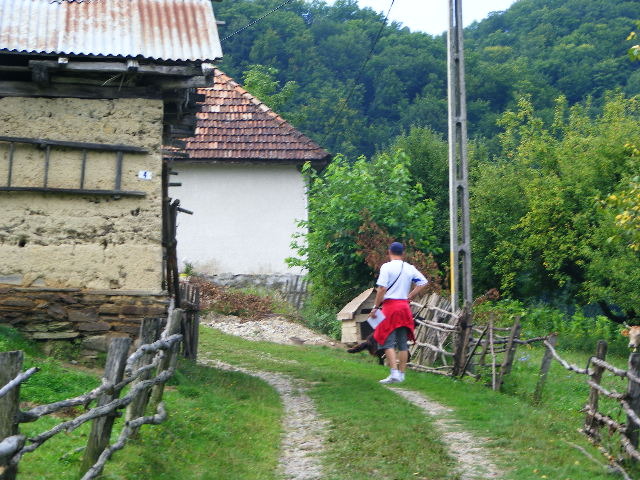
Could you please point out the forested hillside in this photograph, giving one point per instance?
(542, 48)
(554, 126)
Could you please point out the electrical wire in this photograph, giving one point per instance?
(251, 24)
(360, 72)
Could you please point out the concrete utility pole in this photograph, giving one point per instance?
(460, 228)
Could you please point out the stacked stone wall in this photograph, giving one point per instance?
(89, 318)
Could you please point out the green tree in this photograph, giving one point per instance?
(539, 229)
(341, 199)
(261, 81)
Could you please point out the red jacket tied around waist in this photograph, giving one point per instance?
(397, 314)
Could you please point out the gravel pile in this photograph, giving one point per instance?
(270, 329)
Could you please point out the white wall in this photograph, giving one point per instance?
(244, 216)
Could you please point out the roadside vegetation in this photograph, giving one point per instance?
(226, 425)
(221, 425)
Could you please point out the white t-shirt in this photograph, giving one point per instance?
(401, 288)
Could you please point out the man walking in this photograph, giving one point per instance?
(393, 296)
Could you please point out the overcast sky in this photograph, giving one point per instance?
(432, 16)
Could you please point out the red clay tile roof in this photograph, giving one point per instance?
(233, 125)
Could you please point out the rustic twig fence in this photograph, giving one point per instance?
(144, 371)
(447, 342)
(600, 426)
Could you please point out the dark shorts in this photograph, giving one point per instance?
(397, 339)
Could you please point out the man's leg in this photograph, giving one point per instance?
(403, 350)
(391, 357)
(390, 352)
(403, 357)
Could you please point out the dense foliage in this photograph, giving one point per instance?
(343, 199)
(555, 186)
(540, 228)
(543, 48)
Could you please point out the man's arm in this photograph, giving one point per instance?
(416, 291)
(378, 301)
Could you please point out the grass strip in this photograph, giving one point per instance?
(222, 425)
(528, 442)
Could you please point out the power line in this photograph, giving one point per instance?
(251, 24)
(360, 72)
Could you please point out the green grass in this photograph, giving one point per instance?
(527, 441)
(373, 433)
(222, 425)
(226, 425)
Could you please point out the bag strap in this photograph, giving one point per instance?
(394, 282)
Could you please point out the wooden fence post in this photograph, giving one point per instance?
(633, 392)
(101, 427)
(510, 354)
(149, 333)
(485, 348)
(544, 369)
(10, 367)
(464, 336)
(173, 326)
(591, 424)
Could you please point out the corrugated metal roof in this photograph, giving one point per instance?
(233, 125)
(174, 30)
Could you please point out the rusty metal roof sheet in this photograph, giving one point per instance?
(233, 125)
(172, 30)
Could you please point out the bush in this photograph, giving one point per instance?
(248, 303)
(575, 331)
(322, 320)
(343, 198)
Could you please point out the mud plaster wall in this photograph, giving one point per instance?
(82, 241)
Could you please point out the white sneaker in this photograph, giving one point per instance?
(391, 379)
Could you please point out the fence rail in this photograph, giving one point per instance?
(598, 424)
(146, 370)
(447, 342)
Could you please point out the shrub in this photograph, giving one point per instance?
(343, 198)
(575, 331)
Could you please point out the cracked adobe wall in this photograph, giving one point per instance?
(82, 241)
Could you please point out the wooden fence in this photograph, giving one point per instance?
(615, 438)
(144, 371)
(447, 342)
(189, 295)
(295, 291)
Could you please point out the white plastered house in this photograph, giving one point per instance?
(241, 178)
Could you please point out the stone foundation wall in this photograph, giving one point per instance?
(90, 318)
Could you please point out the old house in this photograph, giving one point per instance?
(90, 91)
(242, 180)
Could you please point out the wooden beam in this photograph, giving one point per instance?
(25, 89)
(193, 82)
(108, 147)
(40, 75)
(121, 67)
(75, 191)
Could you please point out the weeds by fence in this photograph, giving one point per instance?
(602, 429)
(447, 343)
(144, 371)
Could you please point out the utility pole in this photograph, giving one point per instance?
(460, 225)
